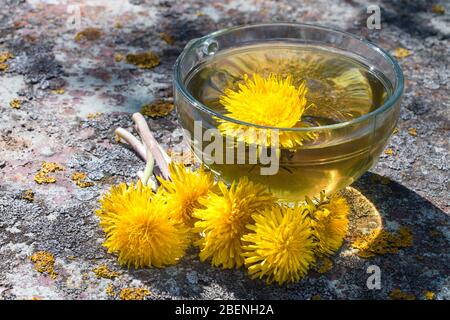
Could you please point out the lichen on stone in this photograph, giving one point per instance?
(401, 53)
(167, 38)
(438, 8)
(43, 174)
(15, 103)
(5, 56)
(144, 60)
(90, 34)
(429, 295)
(389, 151)
(110, 290)
(380, 242)
(397, 294)
(412, 132)
(102, 271)
(93, 115)
(79, 179)
(59, 91)
(44, 262)
(324, 265)
(28, 195)
(186, 157)
(118, 57)
(158, 108)
(133, 293)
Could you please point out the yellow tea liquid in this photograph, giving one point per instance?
(340, 87)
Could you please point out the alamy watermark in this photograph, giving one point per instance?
(374, 20)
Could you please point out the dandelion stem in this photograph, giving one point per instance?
(132, 141)
(148, 171)
(160, 156)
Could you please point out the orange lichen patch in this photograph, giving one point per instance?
(380, 242)
(389, 151)
(438, 8)
(401, 53)
(59, 91)
(3, 66)
(5, 56)
(133, 293)
(167, 38)
(15, 103)
(186, 157)
(102, 271)
(157, 108)
(44, 262)
(429, 295)
(412, 132)
(397, 294)
(93, 115)
(110, 290)
(36, 298)
(46, 168)
(144, 60)
(118, 57)
(79, 178)
(90, 34)
(324, 265)
(28, 195)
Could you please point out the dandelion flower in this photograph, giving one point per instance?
(330, 222)
(224, 219)
(184, 191)
(139, 229)
(273, 101)
(281, 247)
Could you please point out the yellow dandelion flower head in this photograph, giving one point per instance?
(330, 222)
(272, 101)
(222, 223)
(281, 246)
(184, 191)
(139, 229)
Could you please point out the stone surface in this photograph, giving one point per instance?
(54, 126)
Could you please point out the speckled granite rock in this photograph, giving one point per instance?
(52, 126)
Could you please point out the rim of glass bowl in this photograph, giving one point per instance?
(394, 97)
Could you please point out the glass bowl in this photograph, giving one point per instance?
(340, 153)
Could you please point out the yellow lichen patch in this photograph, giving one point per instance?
(395, 131)
(46, 168)
(157, 108)
(412, 132)
(380, 242)
(167, 38)
(44, 262)
(401, 53)
(59, 91)
(429, 295)
(438, 8)
(102, 271)
(93, 115)
(15, 103)
(144, 60)
(397, 294)
(5, 56)
(325, 265)
(79, 178)
(28, 195)
(36, 298)
(389, 151)
(199, 14)
(118, 57)
(118, 25)
(316, 297)
(3, 66)
(133, 293)
(186, 157)
(110, 290)
(90, 34)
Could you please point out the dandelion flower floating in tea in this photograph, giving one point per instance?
(281, 246)
(224, 219)
(139, 229)
(184, 191)
(273, 101)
